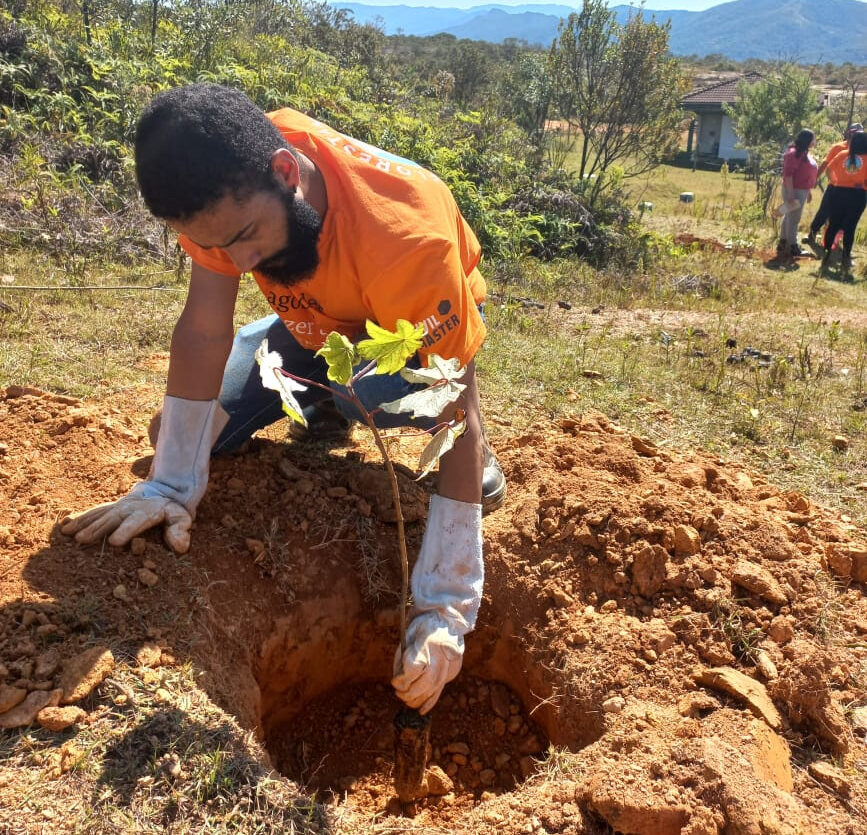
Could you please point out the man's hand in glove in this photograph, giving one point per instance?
(447, 585)
(178, 480)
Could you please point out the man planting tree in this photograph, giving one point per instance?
(335, 233)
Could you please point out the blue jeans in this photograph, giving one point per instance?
(252, 407)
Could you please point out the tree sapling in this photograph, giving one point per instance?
(386, 352)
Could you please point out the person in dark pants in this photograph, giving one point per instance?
(847, 203)
(821, 216)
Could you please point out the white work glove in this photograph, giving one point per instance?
(447, 585)
(175, 486)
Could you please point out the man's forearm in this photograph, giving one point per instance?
(197, 363)
(460, 469)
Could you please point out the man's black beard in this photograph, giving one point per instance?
(299, 258)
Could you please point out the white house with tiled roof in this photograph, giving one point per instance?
(711, 133)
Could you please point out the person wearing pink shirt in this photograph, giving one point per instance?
(800, 172)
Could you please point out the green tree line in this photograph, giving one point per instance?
(75, 74)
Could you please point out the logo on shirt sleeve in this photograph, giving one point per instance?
(438, 324)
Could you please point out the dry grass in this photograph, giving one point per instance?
(156, 755)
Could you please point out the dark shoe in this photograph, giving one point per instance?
(810, 238)
(797, 252)
(325, 422)
(493, 483)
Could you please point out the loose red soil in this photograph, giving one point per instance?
(618, 576)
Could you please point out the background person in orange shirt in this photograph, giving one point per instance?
(335, 232)
(849, 171)
(821, 216)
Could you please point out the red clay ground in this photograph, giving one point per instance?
(690, 639)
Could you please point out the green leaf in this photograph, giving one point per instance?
(390, 349)
(271, 372)
(341, 355)
(439, 445)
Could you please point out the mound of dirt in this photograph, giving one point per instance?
(668, 644)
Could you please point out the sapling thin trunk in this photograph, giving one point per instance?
(387, 353)
(398, 512)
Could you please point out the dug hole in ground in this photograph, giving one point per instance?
(667, 644)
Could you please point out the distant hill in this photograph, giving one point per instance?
(808, 31)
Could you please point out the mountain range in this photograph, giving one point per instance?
(805, 31)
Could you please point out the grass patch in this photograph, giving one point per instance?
(156, 756)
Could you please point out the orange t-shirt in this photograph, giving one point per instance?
(834, 150)
(848, 173)
(393, 246)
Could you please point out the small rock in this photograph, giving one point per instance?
(85, 672)
(614, 704)
(234, 485)
(487, 776)
(25, 713)
(743, 688)
(500, 702)
(693, 705)
(305, 486)
(759, 581)
(840, 443)
(530, 745)
(765, 666)
(337, 492)
(59, 718)
(46, 665)
(148, 655)
(438, 782)
(28, 617)
(859, 720)
(458, 748)
(687, 540)
(11, 697)
(644, 447)
(515, 723)
(147, 578)
(137, 545)
(781, 629)
(831, 777)
(121, 593)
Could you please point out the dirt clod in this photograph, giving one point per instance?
(84, 672)
(59, 718)
(747, 690)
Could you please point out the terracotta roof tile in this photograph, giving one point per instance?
(723, 91)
